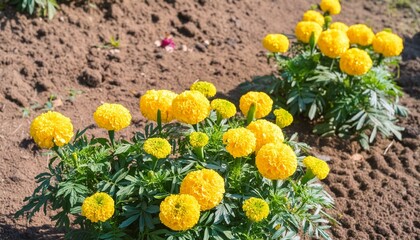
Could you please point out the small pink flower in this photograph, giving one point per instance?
(167, 42)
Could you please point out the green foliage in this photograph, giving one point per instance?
(139, 182)
(47, 8)
(312, 85)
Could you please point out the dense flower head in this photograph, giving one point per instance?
(339, 26)
(262, 101)
(155, 100)
(240, 142)
(333, 7)
(276, 43)
(256, 209)
(355, 62)
(304, 30)
(191, 107)
(205, 185)
(98, 207)
(317, 166)
(360, 34)
(265, 132)
(276, 161)
(198, 139)
(313, 16)
(206, 88)
(112, 117)
(51, 128)
(179, 212)
(333, 43)
(157, 147)
(387, 44)
(223, 107)
(283, 117)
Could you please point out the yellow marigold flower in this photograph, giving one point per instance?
(206, 88)
(206, 185)
(276, 161)
(387, 44)
(283, 117)
(333, 7)
(240, 142)
(112, 116)
(339, 26)
(98, 207)
(256, 209)
(157, 147)
(276, 43)
(51, 128)
(153, 101)
(198, 139)
(265, 132)
(317, 166)
(179, 212)
(360, 34)
(314, 16)
(191, 107)
(304, 30)
(262, 101)
(333, 43)
(355, 62)
(225, 108)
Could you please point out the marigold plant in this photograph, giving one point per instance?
(313, 16)
(206, 88)
(195, 178)
(341, 78)
(276, 43)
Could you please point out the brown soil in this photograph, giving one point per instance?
(376, 191)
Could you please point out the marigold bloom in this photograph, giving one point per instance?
(198, 139)
(314, 16)
(265, 132)
(191, 107)
(256, 209)
(333, 43)
(51, 128)
(304, 30)
(276, 161)
(155, 100)
(206, 185)
(317, 166)
(387, 44)
(98, 207)
(112, 117)
(355, 62)
(276, 43)
(262, 101)
(240, 142)
(179, 212)
(360, 34)
(225, 108)
(206, 88)
(157, 147)
(283, 117)
(339, 26)
(333, 7)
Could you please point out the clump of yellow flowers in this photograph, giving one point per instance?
(339, 76)
(197, 166)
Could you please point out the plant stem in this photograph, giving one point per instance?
(308, 176)
(199, 151)
(159, 121)
(59, 151)
(251, 113)
(111, 134)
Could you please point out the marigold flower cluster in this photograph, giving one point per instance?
(276, 43)
(240, 142)
(256, 209)
(360, 34)
(179, 212)
(157, 100)
(263, 103)
(276, 161)
(157, 147)
(355, 62)
(283, 117)
(198, 139)
(339, 26)
(51, 129)
(223, 107)
(265, 132)
(332, 7)
(333, 43)
(205, 185)
(305, 29)
(317, 166)
(112, 117)
(98, 208)
(191, 107)
(206, 88)
(313, 16)
(388, 44)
